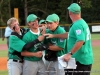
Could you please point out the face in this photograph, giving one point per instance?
(52, 25)
(42, 25)
(33, 24)
(70, 14)
(15, 26)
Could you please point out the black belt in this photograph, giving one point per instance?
(18, 61)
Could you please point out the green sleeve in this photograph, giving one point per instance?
(79, 32)
(16, 43)
(61, 43)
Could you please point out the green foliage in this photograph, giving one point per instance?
(86, 3)
(91, 14)
(4, 12)
(43, 8)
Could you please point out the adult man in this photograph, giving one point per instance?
(33, 65)
(79, 41)
(57, 45)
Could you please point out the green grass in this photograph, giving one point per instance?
(95, 36)
(3, 53)
(96, 52)
(4, 72)
(95, 67)
(3, 42)
(96, 64)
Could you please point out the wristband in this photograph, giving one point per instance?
(70, 53)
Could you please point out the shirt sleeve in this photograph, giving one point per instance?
(61, 43)
(16, 43)
(7, 32)
(79, 32)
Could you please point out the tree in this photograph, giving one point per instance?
(4, 11)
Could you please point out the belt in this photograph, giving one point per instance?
(17, 61)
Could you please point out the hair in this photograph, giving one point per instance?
(11, 20)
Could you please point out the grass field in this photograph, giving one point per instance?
(2, 42)
(96, 51)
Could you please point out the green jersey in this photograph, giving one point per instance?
(58, 42)
(15, 44)
(79, 31)
(29, 37)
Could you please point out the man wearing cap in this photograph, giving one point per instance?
(79, 42)
(33, 65)
(57, 45)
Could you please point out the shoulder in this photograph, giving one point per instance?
(60, 30)
(27, 35)
(24, 30)
(16, 34)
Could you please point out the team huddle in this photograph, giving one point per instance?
(35, 50)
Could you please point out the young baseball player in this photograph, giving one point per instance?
(16, 45)
(33, 65)
(57, 48)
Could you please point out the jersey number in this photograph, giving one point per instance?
(88, 37)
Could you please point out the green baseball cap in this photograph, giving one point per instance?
(31, 17)
(74, 8)
(42, 21)
(53, 18)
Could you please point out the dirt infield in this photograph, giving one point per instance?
(3, 60)
(96, 43)
(3, 47)
(3, 63)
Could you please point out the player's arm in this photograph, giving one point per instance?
(29, 54)
(60, 45)
(55, 48)
(50, 46)
(76, 47)
(62, 36)
(27, 46)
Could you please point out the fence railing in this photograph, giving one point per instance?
(66, 27)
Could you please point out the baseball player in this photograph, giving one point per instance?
(58, 47)
(33, 65)
(42, 23)
(16, 45)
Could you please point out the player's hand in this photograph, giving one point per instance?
(67, 57)
(38, 54)
(43, 28)
(41, 38)
(49, 35)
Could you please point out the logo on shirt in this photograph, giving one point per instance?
(61, 40)
(78, 32)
